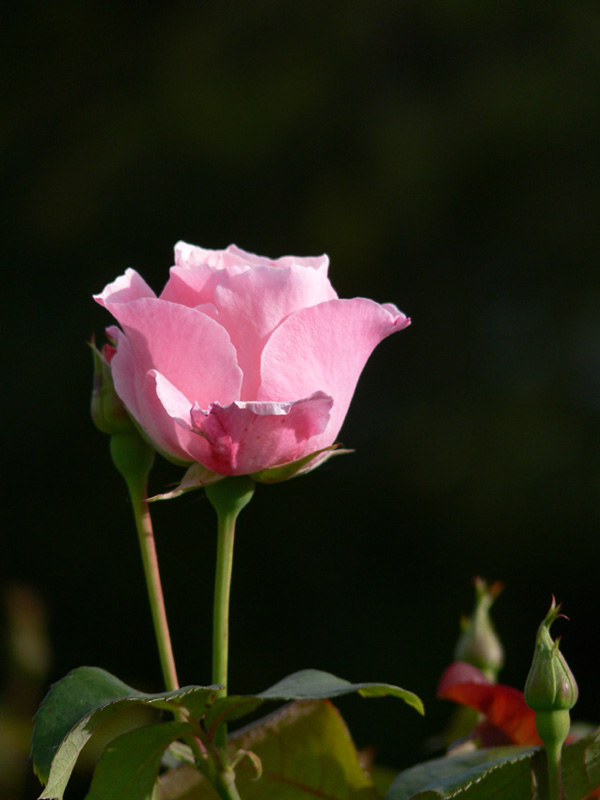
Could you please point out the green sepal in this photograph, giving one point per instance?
(300, 467)
(197, 476)
(231, 495)
(307, 684)
(77, 704)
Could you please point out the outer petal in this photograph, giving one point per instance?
(244, 438)
(252, 304)
(191, 350)
(127, 287)
(325, 348)
(124, 372)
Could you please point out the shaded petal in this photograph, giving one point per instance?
(250, 305)
(189, 348)
(127, 287)
(195, 287)
(164, 408)
(244, 438)
(325, 348)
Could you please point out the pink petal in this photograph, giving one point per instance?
(325, 348)
(195, 287)
(167, 420)
(248, 437)
(163, 404)
(250, 305)
(145, 347)
(187, 347)
(127, 287)
(124, 373)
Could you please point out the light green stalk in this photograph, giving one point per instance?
(228, 497)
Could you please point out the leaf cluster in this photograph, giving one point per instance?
(129, 767)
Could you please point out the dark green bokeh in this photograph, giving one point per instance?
(445, 155)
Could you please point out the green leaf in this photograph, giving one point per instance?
(77, 704)
(308, 684)
(382, 777)
(128, 767)
(306, 753)
(444, 770)
(509, 774)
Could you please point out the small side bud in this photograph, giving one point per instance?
(479, 643)
(131, 454)
(108, 412)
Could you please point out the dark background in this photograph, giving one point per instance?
(445, 156)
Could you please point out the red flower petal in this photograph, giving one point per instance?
(503, 706)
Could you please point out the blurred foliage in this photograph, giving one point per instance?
(444, 154)
(26, 661)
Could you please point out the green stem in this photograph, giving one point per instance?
(143, 522)
(553, 755)
(133, 457)
(212, 763)
(228, 497)
(225, 785)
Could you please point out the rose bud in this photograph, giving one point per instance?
(109, 414)
(551, 690)
(478, 643)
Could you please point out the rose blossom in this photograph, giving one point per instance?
(242, 363)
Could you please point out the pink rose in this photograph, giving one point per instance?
(242, 363)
